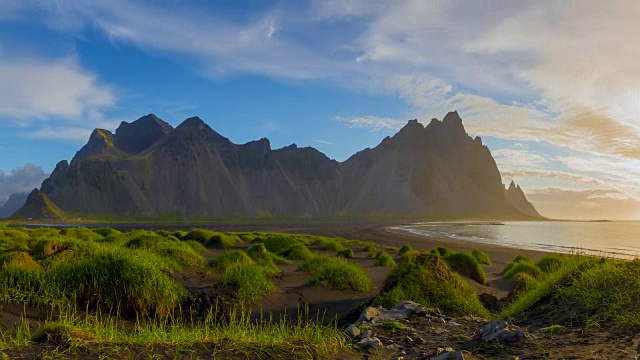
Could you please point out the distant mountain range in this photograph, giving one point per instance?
(14, 203)
(149, 169)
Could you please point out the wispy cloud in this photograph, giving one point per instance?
(324, 142)
(40, 89)
(562, 203)
(21, 179)
(371, 122)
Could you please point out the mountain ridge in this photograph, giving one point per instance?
(193, 171)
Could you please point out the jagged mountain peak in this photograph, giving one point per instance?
(139, 135)
(195, 128)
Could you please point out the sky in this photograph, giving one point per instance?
(552, 87)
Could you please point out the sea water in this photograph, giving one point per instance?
(612, 239)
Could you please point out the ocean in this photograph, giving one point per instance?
(612, 239)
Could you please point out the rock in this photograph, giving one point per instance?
(501, 331)
(419, 340)
(390, 315)
(367, 333)
(449, 355)
(488, 301)
(453, 323)
(440, 320)
(369, 343)
(440, 331)
(369, 313)
(394, 347)
(410, 308)
(353, 331)
(408, 339)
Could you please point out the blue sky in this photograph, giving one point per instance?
(551, 87)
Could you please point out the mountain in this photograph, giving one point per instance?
(38, 206)
(149, 169)
(14, 203)
(515, 196)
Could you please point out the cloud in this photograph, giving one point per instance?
(21, 179)
(562, 203)
(324, 142)
(550, 174)
(372, 123)
(40, 90)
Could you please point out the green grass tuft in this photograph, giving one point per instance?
(551, 262)
(405, 248)
(20, 260)
(251, 282)
(481, 256)
(429, 281)
(338, 273)
(384, 259)
(523, 267)
(229, 259)
(466, 264)
(346, 253)
(521, 258)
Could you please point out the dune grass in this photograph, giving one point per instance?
(384, 259)
(429, 281)
(405, 248)
(345, 253)
(466, 264)
(338, 273)
(481, 257)
(119, 282)
(229, 259)
(522, 267)
(250, 280)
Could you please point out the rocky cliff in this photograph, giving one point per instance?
(149, 169)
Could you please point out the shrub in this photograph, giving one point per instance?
(20, 260)
(181, 235)
(117, 281)
(523, 282)
(550, 263)
(523, 267)
(339, 273)
(430, 282)
(250, 280)
(466, 264)
(405, 248)
(177, 255)
(229, 259)
(346, 253)
(481, 256)
(384, 259)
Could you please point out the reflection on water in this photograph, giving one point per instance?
(616, 239)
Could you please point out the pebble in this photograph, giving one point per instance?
(440, 320)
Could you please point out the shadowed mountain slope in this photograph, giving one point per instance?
(149, 169)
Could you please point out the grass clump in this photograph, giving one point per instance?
(260, 254)
(332, 245)
(551, 262)
(222, 241)
(481, 256)
(298, 252)
(117, 281)
(338, 273)
(466, 264)
(106, 231)
(200, 235)
(522, 267)
(370, 248)
(346, 253)
(384, 259)
(442, 251)
(196, 245)
(250, 280)
(81, 233)
(392, 325)
(176, 255)
(405, 248)
(429, 281)
(521, 258)
(20, 260)
(287, 246)
(229, 259)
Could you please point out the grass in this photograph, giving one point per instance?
(466, 264)
(250, 280)
(288, 246)
(405, 248)
(384, 259)
(522, 267)
(392, 325)
(481, 257)
(346, 253)
(20, 260)
(103, 336)
(442, 251)
(229, 259)
(429, 281)
(338, 273)
(551, 262)
(117, 281)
